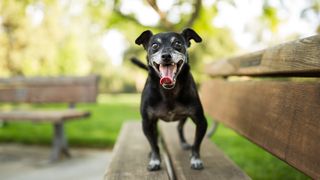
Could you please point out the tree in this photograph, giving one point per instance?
(47, 37)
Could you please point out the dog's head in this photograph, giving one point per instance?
(167, 53)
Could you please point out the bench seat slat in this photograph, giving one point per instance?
(130, 156)
(297, 58)
(217, 165)
(282, 117)
(43, 115)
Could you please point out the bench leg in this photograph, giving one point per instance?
(213, 129)
(60, 144)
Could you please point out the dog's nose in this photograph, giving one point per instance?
(166, 57)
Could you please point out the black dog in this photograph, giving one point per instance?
(170, 92)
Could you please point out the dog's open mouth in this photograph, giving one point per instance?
(168, 73)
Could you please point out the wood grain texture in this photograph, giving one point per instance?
(49, 89)
(43, 115)
(282, 117)
(130, 156)
(49, 80)
(297, 58)
(217, 165)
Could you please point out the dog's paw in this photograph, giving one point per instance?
(186, 146)
(196, 163)
(154, 165)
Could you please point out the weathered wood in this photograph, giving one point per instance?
(49, 89)
(297, 58)
(130, 156)
(43, 116)
(282, 117)
(217, 165)
(49, 80)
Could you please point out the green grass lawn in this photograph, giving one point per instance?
(255, 161)
(99, 130)
(102, 128)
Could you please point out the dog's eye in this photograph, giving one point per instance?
(177, 45)
(155, 46)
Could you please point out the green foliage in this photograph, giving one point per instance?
(47, 37)
(270, 16)
(58, 43)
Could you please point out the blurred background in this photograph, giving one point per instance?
(72, 37)
(82, 37)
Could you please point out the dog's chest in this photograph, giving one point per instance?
(173, 113)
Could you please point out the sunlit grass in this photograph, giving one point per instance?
(99, 130)
(102, 127)
(255, 161)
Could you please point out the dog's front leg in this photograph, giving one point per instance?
(150, 131)
(201, 127)
(183, 141)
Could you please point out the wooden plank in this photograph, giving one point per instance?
(282, 117)
(43, 116)
(217, 165)
(297, 58)
(49, 80)
(49, 89)
(49, 94)
(130, 156)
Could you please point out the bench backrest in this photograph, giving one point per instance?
(49, 89)
(252, 95)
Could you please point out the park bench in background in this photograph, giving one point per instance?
(69, 90)
(272, 97)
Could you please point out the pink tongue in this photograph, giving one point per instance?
(166, 80)
(167, 73)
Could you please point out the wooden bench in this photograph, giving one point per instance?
(130, 157)
(272, 97)
(69, 90)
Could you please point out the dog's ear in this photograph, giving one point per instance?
(144, 38)
(189, 34)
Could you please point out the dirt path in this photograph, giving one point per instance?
(20, 162)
